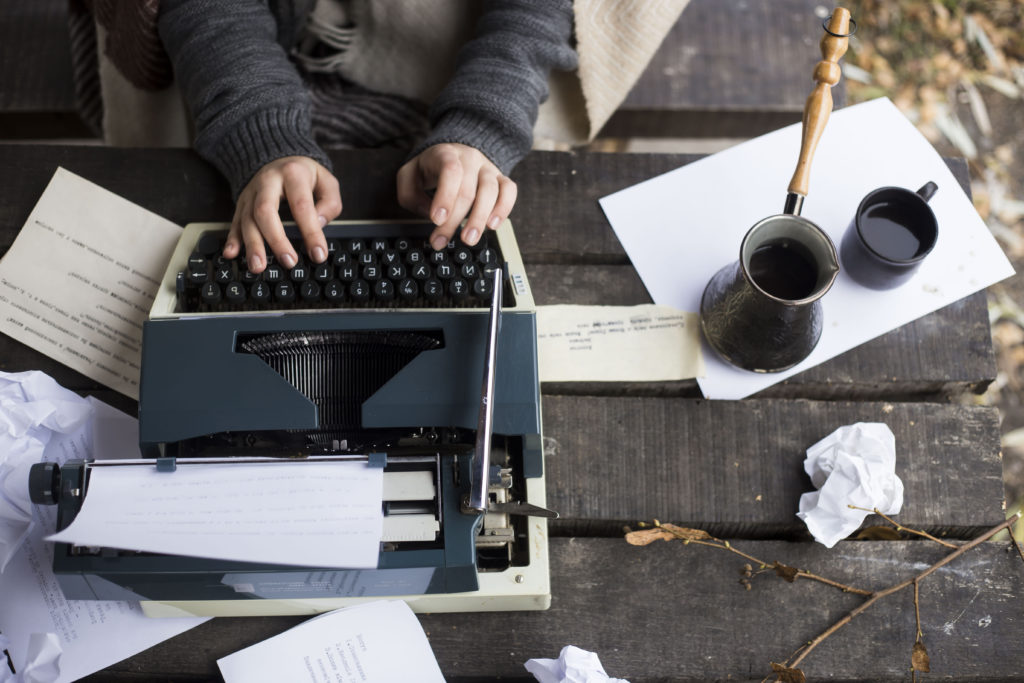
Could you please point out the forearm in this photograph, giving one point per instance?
(492, 100)
(248, 103)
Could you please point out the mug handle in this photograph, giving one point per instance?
(927, 190)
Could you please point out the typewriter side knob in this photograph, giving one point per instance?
(44, 483)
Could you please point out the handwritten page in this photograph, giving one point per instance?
(377, 642)
(79, 279)
(680, 228)
(90, 634)
(310, 514)
(646, 343)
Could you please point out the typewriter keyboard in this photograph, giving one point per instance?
(370, 271)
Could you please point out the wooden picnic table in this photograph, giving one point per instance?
(621, 453)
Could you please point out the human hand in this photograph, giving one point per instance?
(313, 197)
(466, 182)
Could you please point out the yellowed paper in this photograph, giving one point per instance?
(646, 343)
(78, 281)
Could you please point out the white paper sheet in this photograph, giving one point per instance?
(645, 343)
(298, 513)
(79, 279)
(682, 227)
(378, 642)
(89, 634)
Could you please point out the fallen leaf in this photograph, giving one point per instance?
(919, 659)
(788, 573)
(647, 536)
(787, 675)
(879, 533)
(689, 534)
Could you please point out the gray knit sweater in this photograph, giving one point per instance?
(250, 106)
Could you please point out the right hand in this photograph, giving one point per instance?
(313, 197)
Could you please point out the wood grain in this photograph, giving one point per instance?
(669, 612)
(728, 68)
(735, 468)
(571, 252)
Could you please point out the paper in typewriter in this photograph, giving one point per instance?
(311, 514)
(80, 278)
(377, 641)
(645, 343)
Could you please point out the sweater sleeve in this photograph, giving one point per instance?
(247, 100)
(501, 78)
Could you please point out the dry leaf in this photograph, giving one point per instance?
(647, 536)
(688, 534)
(787, 675)
(879, 533)
(788, 573)
(919, 659)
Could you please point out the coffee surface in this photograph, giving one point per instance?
(784, 269)
(890, 230)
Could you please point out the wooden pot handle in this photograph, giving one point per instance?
(819, 104)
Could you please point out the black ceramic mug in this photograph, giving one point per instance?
(890, 235)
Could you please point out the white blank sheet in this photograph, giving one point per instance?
(679, 228)
(308, 514)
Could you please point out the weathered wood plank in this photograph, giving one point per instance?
(557, 217)
(728, 68)
(566, 242)
(735, 468)
(37, 97)
(674, 612)
(946, 353)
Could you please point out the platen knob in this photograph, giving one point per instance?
(44, 483)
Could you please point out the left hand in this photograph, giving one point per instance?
(467, 186)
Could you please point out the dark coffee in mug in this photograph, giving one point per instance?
(889, 236)
(892, 230)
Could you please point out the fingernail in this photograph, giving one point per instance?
(493, 223)
(323, 220)
(440, 216)
(318, 254)
(255, 263)
(439, 242)
(288, 260)
(471, 236)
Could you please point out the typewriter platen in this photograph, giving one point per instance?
(380, 354)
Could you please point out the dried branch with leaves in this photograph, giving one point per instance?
(787, 672)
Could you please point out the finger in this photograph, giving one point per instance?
(255, 251)
(507, 193)
(443, 233)
(233, 244)
(483, 207)
(446, 168)
(327, 194)
(411, 195)
(298, 190)
(266, 206)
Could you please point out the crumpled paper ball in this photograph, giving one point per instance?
(33, 408)
(854, 465)
(573, 665)
(43, 660)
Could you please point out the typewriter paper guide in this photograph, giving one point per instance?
(306, 514)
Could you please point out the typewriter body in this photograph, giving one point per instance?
(349, 368)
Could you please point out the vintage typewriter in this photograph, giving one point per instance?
(423, 361)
